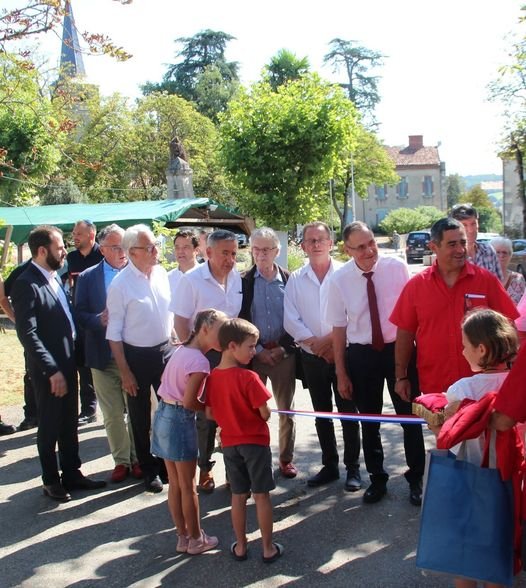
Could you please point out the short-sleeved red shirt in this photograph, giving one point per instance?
(434, 312)
(511, 399)
(235, 395)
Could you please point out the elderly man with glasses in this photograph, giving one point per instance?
(263, 305)
(139, 326)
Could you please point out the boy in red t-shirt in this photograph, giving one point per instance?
(236, 399)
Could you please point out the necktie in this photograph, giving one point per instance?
(378, 338)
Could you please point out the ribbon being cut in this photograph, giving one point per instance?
(351, 416)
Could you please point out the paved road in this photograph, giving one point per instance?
(123, 537)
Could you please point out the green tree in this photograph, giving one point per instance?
(476, 196)
(285, 67)
(490, 220)
(281, 147)
(31, 132)
(430, 213)
(361, 86)
(191, 76)
(404, 220)
(455, 187)
(156, 120)
(64, 192)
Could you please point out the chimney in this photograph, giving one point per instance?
(416, 142)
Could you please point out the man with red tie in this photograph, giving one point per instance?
(362, 295)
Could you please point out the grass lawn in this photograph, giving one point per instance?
(11, 369)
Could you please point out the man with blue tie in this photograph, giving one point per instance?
(45, 327)
(92, 315)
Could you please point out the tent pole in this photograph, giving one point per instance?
(7, 241)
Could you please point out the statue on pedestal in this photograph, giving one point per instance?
(178, 173)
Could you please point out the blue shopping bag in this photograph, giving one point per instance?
(466, 526)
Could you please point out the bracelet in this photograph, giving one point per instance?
(401, 379)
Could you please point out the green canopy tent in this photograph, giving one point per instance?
(19, 221)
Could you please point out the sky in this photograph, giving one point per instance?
(440, 56)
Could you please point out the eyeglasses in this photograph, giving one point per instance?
(363, 248)
(114, 248)
(149, 248)
(312, 242)
(264, 250)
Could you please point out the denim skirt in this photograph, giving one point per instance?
(174, 433)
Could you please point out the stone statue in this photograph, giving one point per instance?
(178, 173)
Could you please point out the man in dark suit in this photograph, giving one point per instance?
(45, 327)
(92, 315)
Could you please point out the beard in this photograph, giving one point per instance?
(54, 263)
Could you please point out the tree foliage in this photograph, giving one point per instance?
(361, 86)
(35, 17)
(203, 70)
(284, 67)
(405, 220)
(455, 187)
(476, 196)
(65, 192)
(281, 147)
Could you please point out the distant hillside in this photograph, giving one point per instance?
(474, 180)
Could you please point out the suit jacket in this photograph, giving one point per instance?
(90, 301)
(42, 325)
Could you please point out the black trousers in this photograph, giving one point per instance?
(147, 364)
(30, 397)
(88, 400)
(321, 382)
(368, 370)
(57, 424)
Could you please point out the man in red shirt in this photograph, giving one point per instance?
(431, 307)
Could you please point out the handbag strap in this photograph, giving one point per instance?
(489, 459)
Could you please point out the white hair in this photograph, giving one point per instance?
(502, 242)
(265, 233)
(132, 234)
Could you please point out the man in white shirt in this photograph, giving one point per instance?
(304, 319)
(214, 284)
(186, 248)
(139, 326)
(362, 295)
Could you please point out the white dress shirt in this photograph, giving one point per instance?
(174, 277)
(53, 281)
(305, 304)
(199, 290)
(348, 305)
(138, 312)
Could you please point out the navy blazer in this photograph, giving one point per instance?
(42, 325)
(90, 301)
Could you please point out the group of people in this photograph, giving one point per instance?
(343, 329)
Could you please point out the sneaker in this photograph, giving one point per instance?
(120, 473)
(182, 544)
(288, 470)
(6, 429)
(204, 543)
(136, 471)
(85, 419)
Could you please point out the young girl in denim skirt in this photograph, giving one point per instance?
(174, 433)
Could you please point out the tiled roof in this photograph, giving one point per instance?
(408, 156)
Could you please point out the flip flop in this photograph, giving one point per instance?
(235, 555)
(279, 552)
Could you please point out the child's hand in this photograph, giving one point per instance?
(435, 429)
(451, 409)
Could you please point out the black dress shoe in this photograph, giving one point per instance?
(83, 483)
(27, 423)
(415, 493)
(375, 492)
(324, 476)
(6, 429)
(56, 492)
(153, 484)
(85, 419)
(353, 482)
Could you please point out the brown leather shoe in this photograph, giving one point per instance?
(56, 492)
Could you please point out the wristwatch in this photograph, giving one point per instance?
(401, 379)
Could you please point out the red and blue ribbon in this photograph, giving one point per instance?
(400, 419)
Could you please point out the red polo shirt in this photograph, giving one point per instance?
(432, 311)
(511, 399)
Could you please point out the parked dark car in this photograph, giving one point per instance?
(518, 257)
(417, 245)
(242, 240)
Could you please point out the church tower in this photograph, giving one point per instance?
(71, 63)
